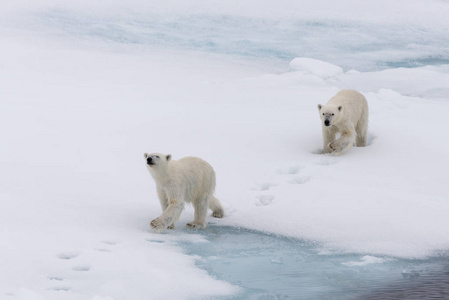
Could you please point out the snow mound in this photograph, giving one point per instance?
(316, 67)
(366, 260)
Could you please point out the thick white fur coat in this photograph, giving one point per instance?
(344, 121)
(189, 179)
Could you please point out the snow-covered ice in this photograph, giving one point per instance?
(87, 88)
(316, 67)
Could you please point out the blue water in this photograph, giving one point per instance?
(351, 45)
(273, 267)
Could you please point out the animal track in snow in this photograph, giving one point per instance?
(327, 161)
(111, 242)
(290, 170)
(59, 284)
(103, 250)
(265, 186)
(285, 176)
(61, 289)
(55, 278)
(300, 180)
(265, 200)
(75, 267)
(68, 255)
(81, 268)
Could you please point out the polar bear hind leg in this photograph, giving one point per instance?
(362, 131)
(215, 206)
(200, 206)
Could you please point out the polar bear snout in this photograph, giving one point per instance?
(327, 118)
(150, 161)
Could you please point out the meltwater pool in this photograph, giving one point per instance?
(272, 267)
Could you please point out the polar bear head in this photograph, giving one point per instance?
(157, 161)
(329, 114)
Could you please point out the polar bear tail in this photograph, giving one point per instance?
(215, 206)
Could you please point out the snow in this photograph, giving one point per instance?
(79, 107)
(366, 260)
(316, 67)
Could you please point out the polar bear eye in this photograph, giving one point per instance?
(333, 114)
(157, 156)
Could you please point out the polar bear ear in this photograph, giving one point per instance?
(339, 108)
(168, 157)
(145, 155)
(319, 106)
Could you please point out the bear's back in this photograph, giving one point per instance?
(348, 97)
(193, 168)
(354, 105)
(192, 163)
(194, 174)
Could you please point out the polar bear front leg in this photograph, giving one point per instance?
(344, 143)
(164, 204)
(328, 137)
(169, 216)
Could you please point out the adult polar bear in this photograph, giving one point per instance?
(346, 114)
(189, 179)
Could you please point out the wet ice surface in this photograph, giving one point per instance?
(435, 285)
(274, 267)
(348, 43)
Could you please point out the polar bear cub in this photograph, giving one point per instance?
(189, 179)
(346, 115)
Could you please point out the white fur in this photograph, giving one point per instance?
(189, 179)
(347, 116)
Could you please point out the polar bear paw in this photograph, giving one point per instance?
(196, 225)
(339, 146)
(334, 147)
(217, 214)
(157, 224)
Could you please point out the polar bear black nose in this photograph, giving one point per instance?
(149, 160)
(327, 123)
